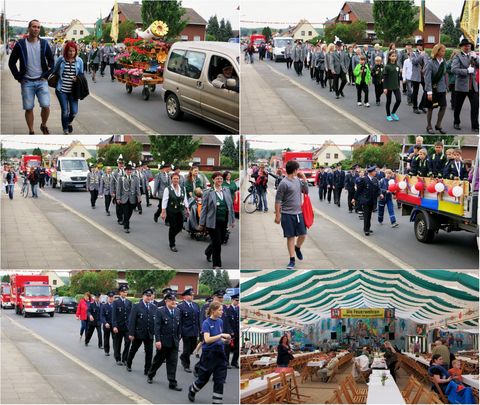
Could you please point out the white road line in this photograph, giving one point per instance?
(114, 384)
(125, 116)
(134, 249)
(369, 129)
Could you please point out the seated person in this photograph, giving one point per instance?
(361, 365)
(456, 373)
(227, 73)
(331, 362)
(439, 373)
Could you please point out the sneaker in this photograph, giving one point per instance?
(395, 117)
(359, 103)
(291, 265)
(389, 118)
(298, 252)
(367, 104)
(394, 225)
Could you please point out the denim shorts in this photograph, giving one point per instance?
(293, 225)
(38, 88)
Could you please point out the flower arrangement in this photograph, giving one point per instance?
(260, 374)
(384, 378)
(119, 72)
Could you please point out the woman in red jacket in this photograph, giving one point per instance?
(81, 314)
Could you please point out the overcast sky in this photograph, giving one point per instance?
(299, 142)
(56, 141)
(55, 12)
(288, 12)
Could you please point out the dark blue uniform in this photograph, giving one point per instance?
(120, 317)
(322, 185)
(106, 318)
(338, 182)
(437, 164)
(419, 167)
(190, 315)
(168, 332)
(329, 186)
(141, 327)
(350, 181)
(366, 195)
(94, 311)
(234, 321)
(455, 169)
(213, 361)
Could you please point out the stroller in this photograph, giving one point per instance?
(191, 225)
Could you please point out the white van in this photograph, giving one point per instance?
(190, 69)
(279, 44)
(71, 172)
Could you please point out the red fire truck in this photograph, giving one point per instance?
(5, 296)
(256, 40)
(30, 161)
(306, 162)
(31, 294)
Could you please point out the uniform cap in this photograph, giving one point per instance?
(148, 291)
(123, 288)
(219, 293)
(371, 168)
(111, 294)
(188, 292)
(234, 296)
(169, 296)
(167, 290)
(128, 167)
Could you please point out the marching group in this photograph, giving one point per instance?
(392, 72)
(213, 329)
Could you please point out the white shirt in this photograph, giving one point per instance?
(407, 69)
(178, 193)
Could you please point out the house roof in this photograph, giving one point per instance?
(211, 140)
(325, 145)
(133, 12)
(293, 30)
(364, 12)
(64, 28)
(468, 140)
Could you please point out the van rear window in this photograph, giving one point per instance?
(186, 63)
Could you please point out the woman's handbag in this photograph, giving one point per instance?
(53, 78)
(307, 211)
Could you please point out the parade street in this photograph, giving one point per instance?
(61, 231)
(277, 101)
(43, 361)
(336, 240)
(109, 109)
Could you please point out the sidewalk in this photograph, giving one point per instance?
(264, 247)
(93, 117)
(263, 111)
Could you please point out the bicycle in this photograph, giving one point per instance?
(25, 188)
(250, 203)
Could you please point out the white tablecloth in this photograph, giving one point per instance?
(420, 359)
(379, 362)
(467, 359)
(318, 363)
(383, 394)
(265, 361)
(257, 385)
(471, 380)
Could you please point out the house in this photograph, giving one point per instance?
(194, 31)
(328, 154)
(75, 149)
(469, 146)
(303, 31)
(72, 32)
(370, 140)
(207, 156)
(352, 11)
(54, 279)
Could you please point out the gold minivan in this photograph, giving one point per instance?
(202, 78)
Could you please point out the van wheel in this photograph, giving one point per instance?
(422, 233)
(62, 187)
(25, 314)
(173, 107)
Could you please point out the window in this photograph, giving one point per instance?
(75, 154)
(328, 155)
(303, 33)
(74, 32)
(335, 156)
(431, 39)
(216, 66)
(54, 282)
(309, 33)
(211, 161)
(188, 63)
(174, 287)
(184, 37)
(197, 159)
(81, 32)
(417, 37)
(346, 17)
(197, 38)
(187, 287)
(83, 154)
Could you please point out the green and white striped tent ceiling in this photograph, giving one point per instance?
(253, 325)
(424, 296)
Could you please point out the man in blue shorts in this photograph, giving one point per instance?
(288, 210)
(36, 64)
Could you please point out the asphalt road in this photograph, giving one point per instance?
(147, 235)
(312, 112)
(63, 330)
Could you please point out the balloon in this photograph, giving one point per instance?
(414, 190)
(457, 191)
(431, 187)
(393, 188)
(391, 181)
(402, 185)
(439, 187)
(450, 191)
(419, 185)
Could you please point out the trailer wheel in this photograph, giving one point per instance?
(146, 93)
(422, 233)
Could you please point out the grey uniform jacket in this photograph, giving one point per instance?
(418, 65)
(320, 60)
(431, 70)
(329, 61)
(128, 190)
(107, 185)
(374, 54)
(116, 175)
(93, 181)
(340, 62)
(460, 64)
(288, 51)
(298, 54)
(208, 214)
(162, 181)
(109, 54)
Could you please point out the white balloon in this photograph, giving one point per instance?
(439, 187)
(414, 190)
(457, 191)
(391, 181)
(402, 185)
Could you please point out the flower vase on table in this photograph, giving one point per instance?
(384, 378)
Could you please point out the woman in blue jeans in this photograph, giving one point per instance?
(68, 67)
(262, 184)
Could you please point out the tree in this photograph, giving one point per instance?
(229, 149)
(139, 280)
(267, 32)
(170, 12)
(228, 30)
(3, 152)
(204, 289)
(215, 280)
(451, 29)
(37, 152)
(131, 151)
(348, 33)
(384, 155)
(173, 148)
(5, 278)
(394, 20)
(42, 31)
(126, 29)
(213, 27)
(93, 281)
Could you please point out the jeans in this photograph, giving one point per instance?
(10, 188)
(83, 326)
(262, 200)
(381, 210)
(35, 190)
(69, 108)
(38, 88)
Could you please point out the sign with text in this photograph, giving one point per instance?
(338, 313)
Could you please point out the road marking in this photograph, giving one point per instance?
(125, 116)
(114, 384)
(369, 129)
(136, 250)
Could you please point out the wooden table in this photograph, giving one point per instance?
(265, 361)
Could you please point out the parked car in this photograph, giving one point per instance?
(65, 304)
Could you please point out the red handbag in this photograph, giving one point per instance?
(307, 211)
